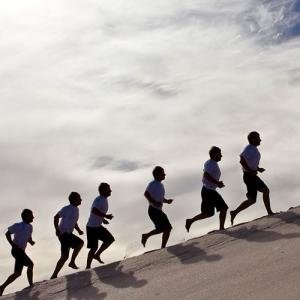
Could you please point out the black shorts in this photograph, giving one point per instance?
(69, 240)
(211, 199)
(159, 218)
(254, 184)
(94, 234)
(21, 259)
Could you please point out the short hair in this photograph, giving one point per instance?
(103, 187)
(252, 135)
(213, 150)
(157, 170)
(73, 196)
(25, 213)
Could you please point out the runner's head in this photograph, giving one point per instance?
(75, 199)
(104, 189)
(159, 173)
(215, 153)
(254, 138)
(27, 215)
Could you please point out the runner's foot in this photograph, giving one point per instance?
(188, 224)
(73, 266)
(144, 239)
(30, 286)
(270, 213)
(232, 216)
(96, 257)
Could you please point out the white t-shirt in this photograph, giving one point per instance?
(212, 168)
(69, 217)
(157, 191)
(22, 233)
(251, 156)
(101, 204)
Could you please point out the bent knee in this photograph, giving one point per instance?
(208, 214)
(252, 201)
(111, 240)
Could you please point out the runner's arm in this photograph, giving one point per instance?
(151, 200)
(211, 179)
(99, 213)
(78, 229)
(8, 237)
(260, 170)
(56, 221)
(169, 201)
(246, 167)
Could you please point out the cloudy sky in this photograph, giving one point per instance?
(97, 91)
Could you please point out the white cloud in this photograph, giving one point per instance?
(141, 84)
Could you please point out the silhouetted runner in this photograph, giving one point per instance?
(94, 229)
(22, 235)
(211, 199)
(69, 216)
(250, 158)
(155, 194)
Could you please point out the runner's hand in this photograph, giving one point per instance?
(220, 184)
(109, 216)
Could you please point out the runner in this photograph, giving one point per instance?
(211, 199)
(94, 228)
(69, 216)
(155, 194)
(250, 158)
(22, 235)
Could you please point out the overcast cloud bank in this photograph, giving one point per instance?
(102, 91)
